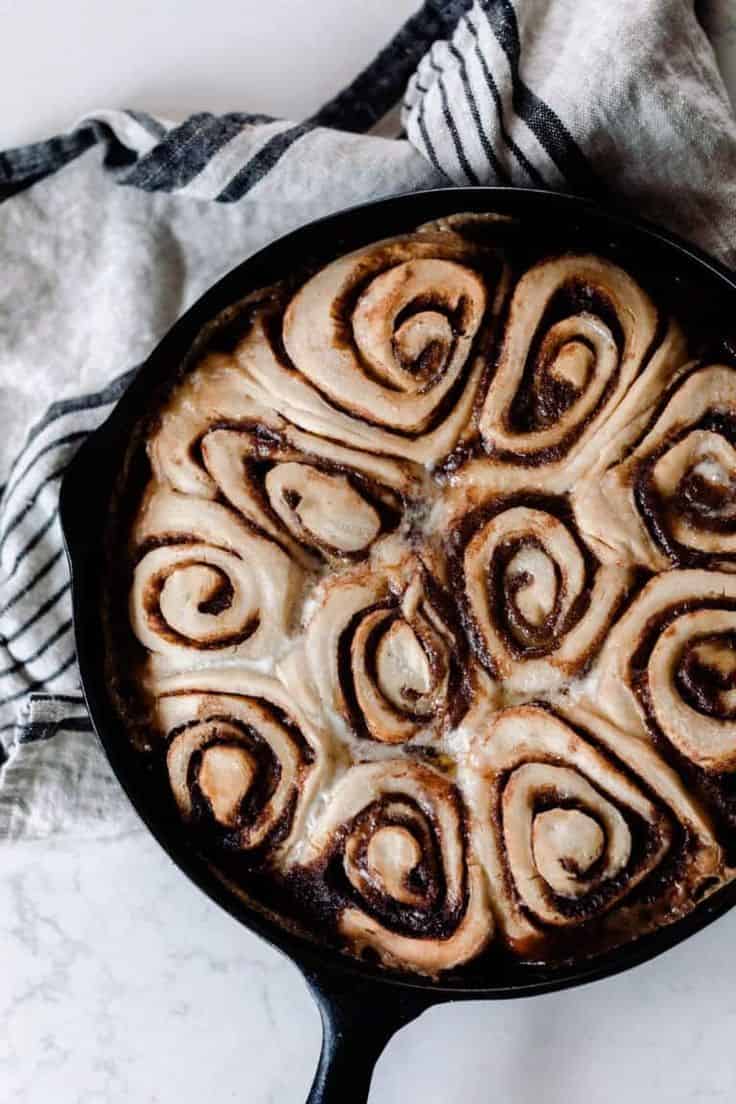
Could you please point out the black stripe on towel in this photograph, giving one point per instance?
(39, 684)
(549, 129)
(153, 126)
(30, 501)
(531, 170)
(452, 127)
(18, 664)
(428, 145)
(381, 84)
(261, 163)
(485, 141)
(39, 612)
(32, 731)
(110, 393)
(186, 150)
(67, 439)
(51, 698)
(28, 586)
(26, 165)
(31, 543)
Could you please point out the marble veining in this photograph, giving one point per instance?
(121, 982)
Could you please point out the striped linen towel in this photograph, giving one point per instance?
(109, 232)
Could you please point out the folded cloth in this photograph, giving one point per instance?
(109, 232)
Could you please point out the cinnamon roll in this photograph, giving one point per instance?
(317, 499)
(385, 654)
(423, 601)
(243, 763)
(672, 501)
(537, 602)
(669, 670)
(579, 334)
(392, 850)
(572, 817)
(377, 351)
(206, 585)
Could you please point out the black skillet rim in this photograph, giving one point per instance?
(90, 483)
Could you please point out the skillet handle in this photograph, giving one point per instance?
(358, 1019)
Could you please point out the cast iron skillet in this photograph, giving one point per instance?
(361, 1006)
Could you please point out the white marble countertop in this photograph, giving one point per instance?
(120, 982)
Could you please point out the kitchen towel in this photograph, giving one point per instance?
(109, 232)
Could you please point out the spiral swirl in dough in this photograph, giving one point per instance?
(205, 585)
(672, 501)
(670, 665)
(377, 350)
(538, 603)
(566, 832)
(319, 500)
(579, 333)
(243, 762)
(392, 843)
(382, 654)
